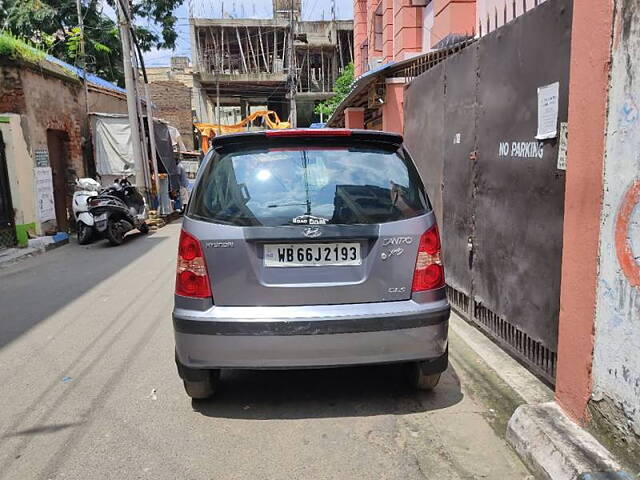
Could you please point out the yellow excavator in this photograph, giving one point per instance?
(209, 130)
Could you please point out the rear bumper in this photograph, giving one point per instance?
(311, 336)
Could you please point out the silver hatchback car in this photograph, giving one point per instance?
(309, 249)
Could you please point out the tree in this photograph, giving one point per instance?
(341, 89)
(52, 26)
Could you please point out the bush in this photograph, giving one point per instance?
(17, 49)
(341, 89)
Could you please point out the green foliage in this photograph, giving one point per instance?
(17, 49)
(52, 26)
(341, 89)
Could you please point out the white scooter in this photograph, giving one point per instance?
(85, 224)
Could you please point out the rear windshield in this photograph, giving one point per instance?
(308, 185)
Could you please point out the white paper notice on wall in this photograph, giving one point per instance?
(548, 111)
(562, 148)
(46, 207)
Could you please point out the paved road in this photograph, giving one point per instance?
(89, 391)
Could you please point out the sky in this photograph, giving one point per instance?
(311, 10)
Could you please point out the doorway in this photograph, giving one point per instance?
(57, 143)
(7, 227)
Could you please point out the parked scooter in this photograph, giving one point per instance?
(85, 189)
(118, 209)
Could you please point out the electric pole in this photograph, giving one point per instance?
(143, 134)
(130, 86)
(293, 113)
(83, 55)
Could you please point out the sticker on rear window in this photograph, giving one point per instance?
(309, 220)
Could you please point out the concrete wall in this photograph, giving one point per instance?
(615, 398)
(20, 169)
(42, 100)
(166, 74)
(58, 104)
(173, 104)
(106, 102)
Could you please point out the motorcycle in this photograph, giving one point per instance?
(85, 189)
(118, 209)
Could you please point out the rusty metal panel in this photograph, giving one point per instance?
(519, 191)
(424, 130)
(459, 145)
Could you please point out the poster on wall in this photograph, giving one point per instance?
(42, 157)
(46, 207)
(548, 97)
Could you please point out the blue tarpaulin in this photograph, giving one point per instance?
(91, 78)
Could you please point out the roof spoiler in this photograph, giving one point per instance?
(265, 137)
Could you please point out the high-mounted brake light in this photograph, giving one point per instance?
(191, 275)
(309, 132)
(429, 272)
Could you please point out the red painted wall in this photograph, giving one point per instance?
(590, 56)
(354, 118)
(407, 29)
(453, 16)
(359, 33)
(393, 109)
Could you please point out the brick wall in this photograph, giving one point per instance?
(11, 91)
(172, 100)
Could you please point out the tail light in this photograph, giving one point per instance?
(191, 275)
(429, 272)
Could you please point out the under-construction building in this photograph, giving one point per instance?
(244, 64)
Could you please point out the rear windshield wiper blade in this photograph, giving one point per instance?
(280, 205)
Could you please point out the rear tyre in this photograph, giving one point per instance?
(115, 233)
(422, 380)
(202, 389)
(144, 228)
(85, 233)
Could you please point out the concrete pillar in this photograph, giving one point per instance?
(354, 117)
(393, 109)
(588, 87)
(387, 31)
(371, 9)
(453, 17)
(407, 29)
(359, 33)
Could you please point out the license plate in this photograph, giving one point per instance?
(312, 255)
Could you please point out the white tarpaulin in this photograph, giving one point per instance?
(176, 139)
(114, 151)
(112, 144)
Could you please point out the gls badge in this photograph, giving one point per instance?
(397, 289)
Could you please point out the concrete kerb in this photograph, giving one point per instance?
(554, 447)
(36, 247)
(12, 255)
(551, 445)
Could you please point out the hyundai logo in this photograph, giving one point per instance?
(312, 232)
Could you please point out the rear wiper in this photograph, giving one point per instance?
(280, 205)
